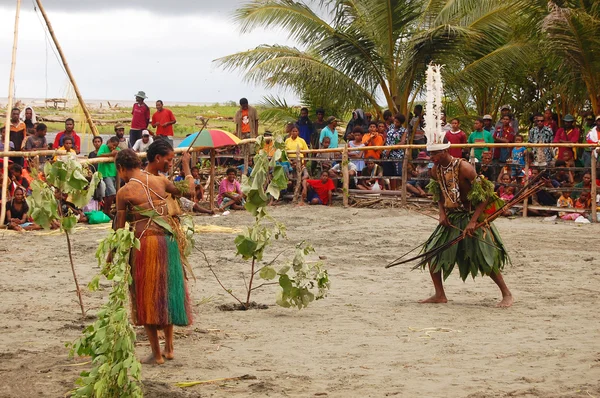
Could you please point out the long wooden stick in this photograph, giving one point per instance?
(86, 112)
(594, 190)
(345, 176)
(11, 89)
(526, 201)
(211, 188)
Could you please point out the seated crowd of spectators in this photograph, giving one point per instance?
(376, 169)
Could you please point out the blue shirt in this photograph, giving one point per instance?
(518, 156)
(333, 137)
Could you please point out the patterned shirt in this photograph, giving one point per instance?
(394, 137)
(542, 136)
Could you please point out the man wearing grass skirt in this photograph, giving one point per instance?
(463, 199)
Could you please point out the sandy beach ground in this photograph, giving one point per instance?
(369, 338)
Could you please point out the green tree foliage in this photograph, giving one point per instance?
(531, 54)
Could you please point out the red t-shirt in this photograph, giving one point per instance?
(141, 115)
(322, 189)
(506, 133)
(456, 138)
(162, 117)
(58, 141)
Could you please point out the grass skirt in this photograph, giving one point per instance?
(483, 253)
(159, 294)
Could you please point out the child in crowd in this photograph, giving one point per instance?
(583, 202)
(325, 161)
(508, 194)
(456, 136)
(318, 192)
(67, 147)
(357, 156)
(17, 179)
(565, 201)
(199, 191)
(518, 157)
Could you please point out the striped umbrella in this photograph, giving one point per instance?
(209, 139)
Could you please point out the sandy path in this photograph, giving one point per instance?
(369, 338)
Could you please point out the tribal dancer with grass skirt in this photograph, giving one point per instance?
(159, 295)
(463, 199)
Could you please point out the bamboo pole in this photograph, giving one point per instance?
(211, 187)
(297, 189)
(594, 190)
(11, 85)
(345, 176)
(525, 201)
(405, 178)
(88, 116)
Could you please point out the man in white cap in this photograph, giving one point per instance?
(514, 123)
(140, 118)
(462, 198)
(143, 143)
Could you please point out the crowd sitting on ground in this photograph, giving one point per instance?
(569, 186)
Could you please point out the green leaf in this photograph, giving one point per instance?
(68, 223)
(246, 247)
(268, 273)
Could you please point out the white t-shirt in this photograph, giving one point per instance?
(139, 145)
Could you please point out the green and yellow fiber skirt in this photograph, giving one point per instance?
(482, 253)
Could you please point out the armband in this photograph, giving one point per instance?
(482, 190)
(434, 188)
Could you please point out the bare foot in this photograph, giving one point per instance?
(168, 355)
(435, 300)
(152, 360)
(506, 302)
(301, 203)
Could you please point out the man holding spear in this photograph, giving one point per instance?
(464, 200)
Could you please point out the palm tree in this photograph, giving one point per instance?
(368, 50)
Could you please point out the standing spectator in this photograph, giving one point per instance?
(358, 119)
(514, 123)
(357, 156)
(479, 135)
(541, 134)
(140, 118)
(567, 134)
(445, 126)
(246, 121)
(488, 123)
(69, 131)
(415, 127)
(124, 143)
(330, 131)
(109, 172)
(504, 134)
(163, 120)
(456, 136)
(396, 135)
(68, 148)
(294, 142)
(368, 117)
(373, 138)
(388, 118)
(518, 157)
(29, 118)
(97, 143)
(18, 132)
(318, 125)
(383, 130)
(549, 121)
(37, 142)
(318, 192)
(593, 137)
(143, 143)
(305, 125)
(586, 156)
(11, 145)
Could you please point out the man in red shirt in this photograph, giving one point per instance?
(567, 134)
(69, 131)
(505, 133)
(318, 192)
(140, 118)
(163, 120)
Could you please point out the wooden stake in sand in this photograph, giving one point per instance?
(11, 89)
(345, 176)
(594, 190)
(88, 116)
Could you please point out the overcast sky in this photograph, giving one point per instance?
(116, 48)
